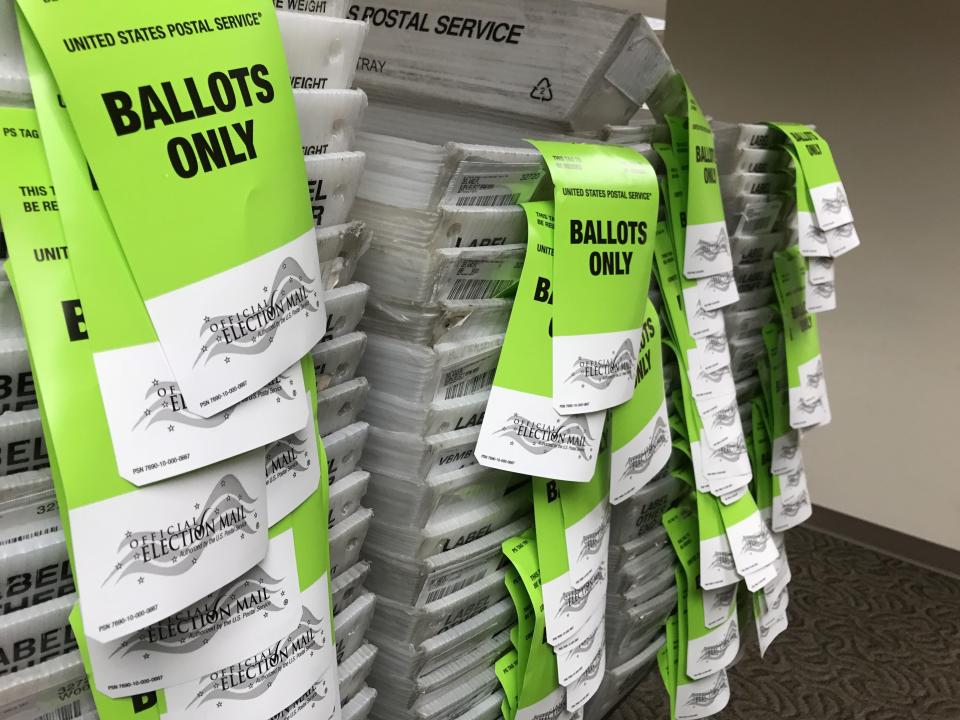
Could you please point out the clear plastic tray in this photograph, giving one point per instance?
(435, 499)
(613, 61)
(743, 324)
(621, 554)
(643, 512)
(57, 688)
(620, 605)
(748, 388)
(422, 374)
(422, 582)
(346, 539)
(344, 449)
(442, 226)
(336, 361)
(348, 585)
(390, 412)
(17, 379)
(14, 83)
(354, 670)
(321, 51)
(748, 249)
(744, 354)
(340, 406)
(360, 706)
(344, 307)
(423, 174)
(640, 569)
(754, 299)
(472, 275)
(24, 485)
(328, 119)
(459, 699)
(348, 242)
(350, 625)
(439, 323)
(627, 635)
(398, 665)
(451, 532)
(754, 277)
(22, 437)
(345, 496)
(399, 622)
(35, 634)
(332, 181)
(414, 458)
(40, 556)
(620, 680)
(483, 654)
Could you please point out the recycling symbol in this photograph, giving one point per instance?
(542, 91)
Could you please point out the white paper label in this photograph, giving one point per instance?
(264, 683)
(714, 651)
(703, 698)
(638, 462)
(258, 608)
(752, 544)
(157, 435)
(594, 372)
(522, 433)
(707, 250)
(229, 335)
(574, 655)
(831, 205)
(567, 609)
(144, 555)
(292, 469)
(468, 377)
(588, 541)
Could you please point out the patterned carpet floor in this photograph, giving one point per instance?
(870, 638)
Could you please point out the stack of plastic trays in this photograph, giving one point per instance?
(560, 64)
(641, 591)
(322, 53)
(756, 192)
(41, 673)
(448, 238)
(37, 646)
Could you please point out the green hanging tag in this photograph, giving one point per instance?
(192, 138)
(606, 200)
(140, 555)
(695, 698)
(521, 431)
(540, 690)
(640, 428)
(809, 404)
(154, 434)
(828, 198)
(706, 245)
(254, 685)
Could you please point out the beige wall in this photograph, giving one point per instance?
(879, 78)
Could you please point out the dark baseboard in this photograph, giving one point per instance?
(927, 554)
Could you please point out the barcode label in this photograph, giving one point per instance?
(451, 588)
(446, 583)
(30, 535)
(483, 183)
(469, 386)
(488, 200)
(758, 218)
(752, 227)
(469, 376)
(479, 289)
(64, 712)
